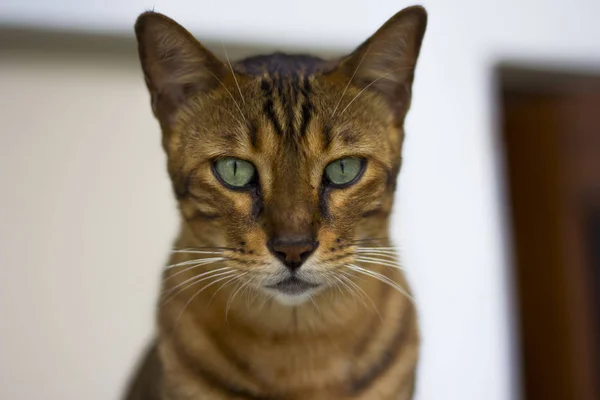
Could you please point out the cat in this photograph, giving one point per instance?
(282, 283)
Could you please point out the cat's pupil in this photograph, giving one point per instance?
(235, 163)
(342, 166)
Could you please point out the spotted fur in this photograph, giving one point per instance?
(289, 115)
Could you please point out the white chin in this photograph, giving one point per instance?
(291, 299)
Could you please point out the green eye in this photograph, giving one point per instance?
(235, 172)
(343, 171)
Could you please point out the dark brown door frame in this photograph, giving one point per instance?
(551, 138)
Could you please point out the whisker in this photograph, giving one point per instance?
(203, 248)
(350, 282)
(354, 292)
(266, 300)
(382, 279)
(327, 278)
(366, 240)
(233, 73)
(315, 305)
(377, 261)
(353, 276)
(350, 81)
(252, 295)
(231, 115)
(193, 297)
(232, 298)
(200, 264)
(189, 262)
(380, 257)
(351, 291)
(239, 287)
(230, 95)
(247, 292)
(392, 257)
(390, 248)
(194, 280)
(255, 293)
(382, 253)
(371, 238)
(369, 85)
(337, 285)
(221, 287)
(246, 295)
(185, 251)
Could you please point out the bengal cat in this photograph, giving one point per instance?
(282, 283)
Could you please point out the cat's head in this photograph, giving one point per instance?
(284, 163)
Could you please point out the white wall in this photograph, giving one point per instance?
(84, 225)
(86, 220)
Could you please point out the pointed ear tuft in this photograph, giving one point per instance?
(176, 66)
(386, 61)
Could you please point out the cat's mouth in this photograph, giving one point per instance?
(293, 286)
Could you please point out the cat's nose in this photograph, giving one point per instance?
(292, 252)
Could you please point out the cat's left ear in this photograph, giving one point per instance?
(386, 61)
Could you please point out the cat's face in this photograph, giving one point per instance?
(286, 163)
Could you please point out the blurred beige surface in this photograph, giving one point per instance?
(86, 219)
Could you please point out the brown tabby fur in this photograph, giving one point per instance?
(290, 116)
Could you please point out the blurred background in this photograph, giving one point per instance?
(498, 208)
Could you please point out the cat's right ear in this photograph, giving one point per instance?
(176, 66)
